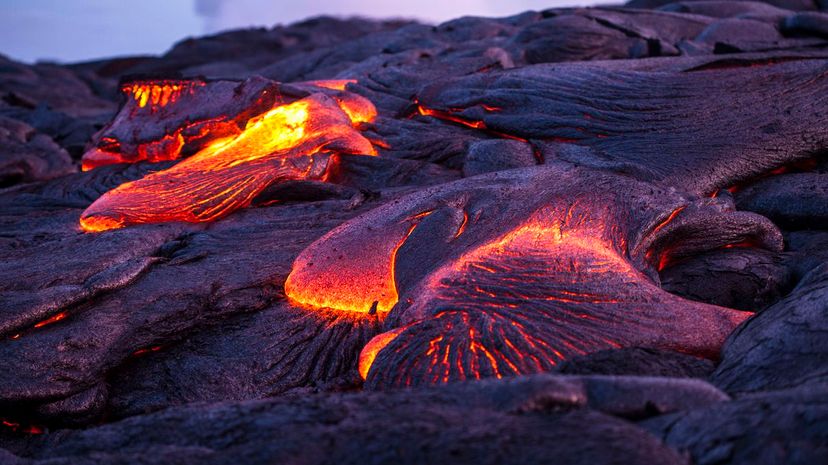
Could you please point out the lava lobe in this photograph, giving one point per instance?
(483, 279)
(293, 140)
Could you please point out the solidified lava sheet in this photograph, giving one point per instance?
(575, 236)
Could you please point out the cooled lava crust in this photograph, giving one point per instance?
(585, 235)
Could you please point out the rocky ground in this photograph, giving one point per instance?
(586, 236)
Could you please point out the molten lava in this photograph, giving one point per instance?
(292, 141)
(363, 290)
(159, 93)
(374, 346)
(359, 109)
(522, 304)
(152, 95)
(333, 84)
(492, 276)
(50, 320)
(165, 119)
(21, 428)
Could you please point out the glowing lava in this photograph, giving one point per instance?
(371, 287)
(152, 95)
(513, 272)
(159, 93)
(165, 119)
(333, 84)
(292, 141)
(374, 346)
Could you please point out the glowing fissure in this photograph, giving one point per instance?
(333, 84)
(800, 166)
(17, 427)
(668, 220)
(52, 319)
(40, 324)
(148, 350)
(159, 93)
(481, 125)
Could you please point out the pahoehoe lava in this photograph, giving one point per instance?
(493, 240)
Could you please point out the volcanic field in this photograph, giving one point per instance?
(572, 236)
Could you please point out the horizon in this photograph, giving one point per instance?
(63, 32)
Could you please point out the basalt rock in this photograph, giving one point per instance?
(28, 155)
(738, 277)
(793, 201)
(784, 345)
(623, 120)
(517, 421)
(638, 362)
(786, 426)
(497, 155)
(605, 191)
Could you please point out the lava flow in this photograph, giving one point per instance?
(491, 277)
(374, 346)
(365, 289)
(166, 119)
(291, 141)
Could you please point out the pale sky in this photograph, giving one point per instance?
(74, 30)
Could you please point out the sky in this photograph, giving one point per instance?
(77, 30)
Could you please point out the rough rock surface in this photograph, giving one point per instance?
(785, 426)
(609, 194)
(783, 346)
(522, 420)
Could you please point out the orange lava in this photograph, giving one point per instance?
(669, 219)
(159, 93)
(358, 108)
(374, 346)
(333, 84)
(291, 141)
(447, 116)
(348, 289)
(338, 284)
(53, 319)
(798, 166)
(167, 148)
(480, 125)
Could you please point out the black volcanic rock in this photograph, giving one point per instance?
(518, 421)
(738, 277)
(808, 23)
(637, 361)
(620, 129)
(495, 155)
(783, 346)
(793, 201)
(787, 426)
(583, 191)
(28, 155)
